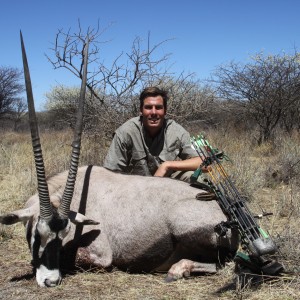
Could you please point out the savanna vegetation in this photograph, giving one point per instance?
(251, 111)
(267, 174)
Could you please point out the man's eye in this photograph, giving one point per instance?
(151, 107)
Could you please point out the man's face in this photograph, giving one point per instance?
(153, 113)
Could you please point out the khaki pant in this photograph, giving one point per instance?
(186, 177)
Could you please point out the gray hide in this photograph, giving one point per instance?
(144, 222)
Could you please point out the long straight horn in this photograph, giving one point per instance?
(45, 206)
(64, 207)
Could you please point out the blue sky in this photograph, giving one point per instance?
(206, 33)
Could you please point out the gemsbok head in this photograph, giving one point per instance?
(51, 224)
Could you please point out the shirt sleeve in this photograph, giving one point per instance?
(117, 156)
(187, 150)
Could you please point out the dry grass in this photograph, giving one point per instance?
(252, 175)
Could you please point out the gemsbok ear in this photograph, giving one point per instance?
(22, 215)
(77, 218)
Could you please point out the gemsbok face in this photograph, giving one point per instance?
(45, 244)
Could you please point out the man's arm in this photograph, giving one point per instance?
(190, 164)
(117, 156)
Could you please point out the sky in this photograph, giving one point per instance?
(201, 34)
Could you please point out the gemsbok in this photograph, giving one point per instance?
(94, 217)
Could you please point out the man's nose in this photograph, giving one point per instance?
(153, 110)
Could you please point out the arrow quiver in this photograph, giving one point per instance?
(254, 240)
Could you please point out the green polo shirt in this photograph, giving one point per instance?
(133, 151)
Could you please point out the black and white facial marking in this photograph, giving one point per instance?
(45, 244)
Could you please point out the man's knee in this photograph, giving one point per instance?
(182, 175)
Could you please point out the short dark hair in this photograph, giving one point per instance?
(153, 91)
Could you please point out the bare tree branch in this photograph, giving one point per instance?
(267, 88)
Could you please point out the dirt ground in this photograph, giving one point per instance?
(18, 282)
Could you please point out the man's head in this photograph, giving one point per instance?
(153, 91)
(153, 107)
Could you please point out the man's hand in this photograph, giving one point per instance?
(206, 169)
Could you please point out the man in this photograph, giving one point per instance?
(151, 144)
